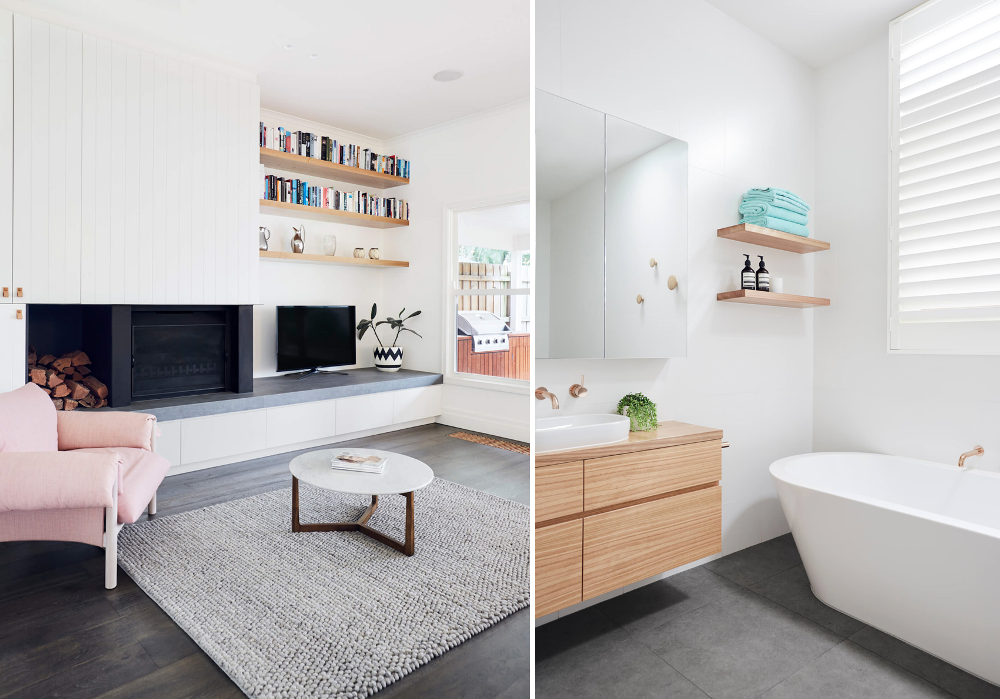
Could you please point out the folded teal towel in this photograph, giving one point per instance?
(789, 204)
(778, 224)
(774, 194)
(759, 207)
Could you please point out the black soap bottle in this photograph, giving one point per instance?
(763, 277)
(749, 278)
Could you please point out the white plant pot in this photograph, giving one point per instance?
(388, 358)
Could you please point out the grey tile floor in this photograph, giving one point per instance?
(746, 625)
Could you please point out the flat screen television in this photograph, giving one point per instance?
(315, 336)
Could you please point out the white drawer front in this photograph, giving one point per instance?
(168, 444)
(217, 436)
(364, 412)
(416, 404)
(290, 424)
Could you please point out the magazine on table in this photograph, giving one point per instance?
(353, 461)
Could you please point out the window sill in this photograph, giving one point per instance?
(487, 383)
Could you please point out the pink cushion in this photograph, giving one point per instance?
(86, 430)
(54, 481)
(142, 473)
(27, 420)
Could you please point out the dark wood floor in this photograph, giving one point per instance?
(63, 635)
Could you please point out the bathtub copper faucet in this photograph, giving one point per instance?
(976, 451)
(541, 393)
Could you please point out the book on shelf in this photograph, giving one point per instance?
(295, 191)
(353, 461)
(312, 145)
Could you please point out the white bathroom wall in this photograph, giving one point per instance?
(925, 406)
(747, 111)
(473, 160)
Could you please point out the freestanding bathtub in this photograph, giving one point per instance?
(909, 547)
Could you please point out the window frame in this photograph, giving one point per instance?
(451, 292)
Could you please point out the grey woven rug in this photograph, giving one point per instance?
(332, 614)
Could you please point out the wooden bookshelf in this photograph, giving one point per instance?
(314, 167)
(770, 238)
(330, 259)
(769, 298)
(318, 213)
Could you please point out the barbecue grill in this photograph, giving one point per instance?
(488, 331)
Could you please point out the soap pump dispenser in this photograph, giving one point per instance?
(763, 277)
(749, 278)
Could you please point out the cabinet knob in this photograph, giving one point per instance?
(652, 261)
(20, 314)
(6, 292)
(671, 282)
(639, 299)
(20, 291)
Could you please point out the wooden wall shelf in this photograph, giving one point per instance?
(330, 259)
(318, 213)
(770, 238)
(769, 298)
(315, 167)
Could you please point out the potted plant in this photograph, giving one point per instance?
(387, 358)
(641, 412)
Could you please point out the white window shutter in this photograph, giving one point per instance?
(945, 178)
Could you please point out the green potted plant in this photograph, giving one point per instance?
(387, 358)
(640, 410)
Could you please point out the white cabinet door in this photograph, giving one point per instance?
(6, 155)
(290, 424)
(13, 360)
(47, 214)
(416, 404)
(364, 412)
(218, 436)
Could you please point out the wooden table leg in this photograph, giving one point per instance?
(406, 546)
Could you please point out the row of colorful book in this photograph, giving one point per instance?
(325, 148)
(297, 191)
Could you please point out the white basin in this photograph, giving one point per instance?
(575, 431)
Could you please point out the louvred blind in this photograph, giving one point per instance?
(945, 292)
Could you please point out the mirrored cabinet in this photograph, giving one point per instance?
(611, 236)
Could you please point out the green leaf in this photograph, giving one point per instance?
(414, 332)
(415, 313)
(373, 311)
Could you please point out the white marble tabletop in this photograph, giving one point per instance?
(402, 474)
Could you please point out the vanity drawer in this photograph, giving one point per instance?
(615, 480)
(633, 543)
(558, 490)
(558, 566)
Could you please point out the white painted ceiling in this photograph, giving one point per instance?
(816, 31)
(375, 58)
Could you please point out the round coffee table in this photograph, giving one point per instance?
(401, 475)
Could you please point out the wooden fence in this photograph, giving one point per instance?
(479, 275)
(515, 363)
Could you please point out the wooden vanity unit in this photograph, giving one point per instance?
(615, 514)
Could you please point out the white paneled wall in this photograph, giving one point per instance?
(6, 153)
(132, 174)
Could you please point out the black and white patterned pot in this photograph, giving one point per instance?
(388, 358)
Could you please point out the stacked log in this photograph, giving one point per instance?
(67, 379)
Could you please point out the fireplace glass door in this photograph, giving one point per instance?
(177, 354)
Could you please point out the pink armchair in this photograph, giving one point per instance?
(74, 476)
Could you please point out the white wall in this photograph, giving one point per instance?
(924, 406)
(471, 160)
(299, 283)
(746, 109)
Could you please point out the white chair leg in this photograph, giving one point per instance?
(152, 505)
(110, 547)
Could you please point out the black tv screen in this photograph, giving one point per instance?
(315, 336)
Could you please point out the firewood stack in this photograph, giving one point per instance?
(67, 379)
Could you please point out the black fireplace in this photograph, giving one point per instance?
(147, 352)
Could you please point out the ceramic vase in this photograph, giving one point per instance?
(388, 358)
(359, 252)
(374, 254)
